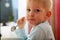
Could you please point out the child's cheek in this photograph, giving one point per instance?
(27, 16)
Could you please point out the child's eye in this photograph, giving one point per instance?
(28, 10)
(37, 10)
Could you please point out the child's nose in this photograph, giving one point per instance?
(31, 14)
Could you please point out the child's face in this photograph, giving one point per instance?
(35, 13)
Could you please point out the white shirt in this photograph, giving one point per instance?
(43, 31)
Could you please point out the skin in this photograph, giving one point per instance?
(36, 13)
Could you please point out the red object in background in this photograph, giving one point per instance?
(57, 19)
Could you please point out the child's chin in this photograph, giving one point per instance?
(32, 23)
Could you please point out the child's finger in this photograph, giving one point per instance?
(23, 19)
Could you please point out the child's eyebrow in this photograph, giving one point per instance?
(27, 8)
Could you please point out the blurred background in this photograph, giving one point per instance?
(11, 10)
(8, 17)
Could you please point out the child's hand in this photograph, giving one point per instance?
(21, 22)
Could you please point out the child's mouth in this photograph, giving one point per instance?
(31, 20)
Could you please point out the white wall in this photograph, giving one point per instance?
(15, 4)
(21, 8)
(15, 9)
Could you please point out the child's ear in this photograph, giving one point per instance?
(48, 14)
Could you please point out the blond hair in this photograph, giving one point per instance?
(46, 3)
